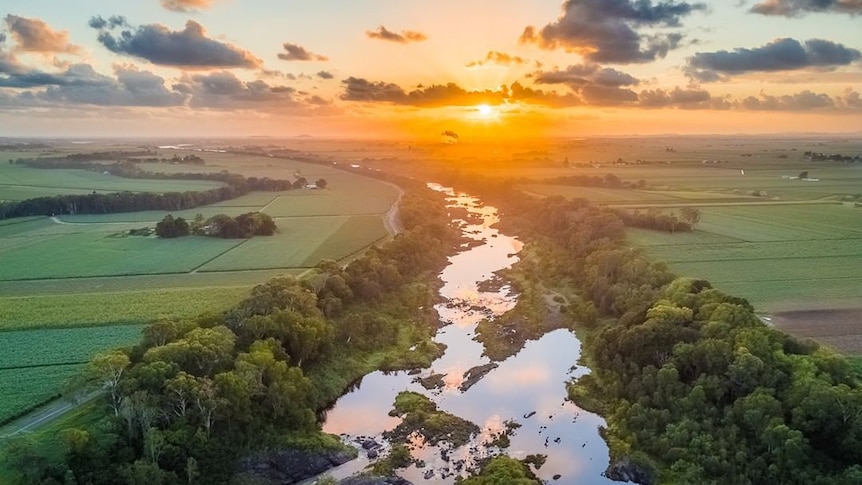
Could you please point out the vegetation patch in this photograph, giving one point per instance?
(420, 415)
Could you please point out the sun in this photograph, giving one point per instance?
(485, 111)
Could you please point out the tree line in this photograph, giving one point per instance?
(97, 203)
(195, 395)
(243, 226)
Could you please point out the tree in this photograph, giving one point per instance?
(169, 227)
(321, 183)
(106, 369)
(690, 215)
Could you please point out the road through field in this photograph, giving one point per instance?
(45, 415)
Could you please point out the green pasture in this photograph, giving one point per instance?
(103, 253)
(130, 307)
(55, 346)
(355, 234)
(302, 242)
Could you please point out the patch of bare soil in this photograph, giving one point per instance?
(840, 329)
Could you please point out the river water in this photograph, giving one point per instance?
(528, 388)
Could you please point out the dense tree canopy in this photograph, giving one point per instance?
(196, 395)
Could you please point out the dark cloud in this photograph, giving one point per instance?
(34, 35)
(325, 75)
(404, 37)
(499, 59)
(189, 48)
(594, 84)
(2, 37)
(607, 30)
(357, 89)
(779, 55)
(81, 84)
(185, 6)
(224, 91)
(803, 101)
(585, 74)
(113, 22)
(15, 75)
(795, 8)
(688, 98)
(552, 99)
(296, 52)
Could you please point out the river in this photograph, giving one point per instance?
(527, 388)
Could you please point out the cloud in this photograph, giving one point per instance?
(802, 101)
(80, 84)
(113, 22)
(595, 85)
(850, 100)
(688, 98)
(296, 52)
(795, 8)
(779, 55)
(405, 37)
(34, 35)
(357, 89)
(189, 48)
(185, 6)
(607, 30)
(222, 90)
(498, 59)
(325, 75)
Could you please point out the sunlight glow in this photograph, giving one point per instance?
(484, 110)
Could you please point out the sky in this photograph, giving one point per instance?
(420, 68)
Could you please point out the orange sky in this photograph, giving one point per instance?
(393, 68)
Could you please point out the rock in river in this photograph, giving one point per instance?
(284, 467)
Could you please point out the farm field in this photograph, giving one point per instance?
(302, 243)
(124, 308)
(18, 182)
(777, 256)
(782, 258)
(34, 364)
(82, 284)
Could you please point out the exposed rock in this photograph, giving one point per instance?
(368, 444)
(474, 375)
(285, 467)
(625, 470)
(434, 381)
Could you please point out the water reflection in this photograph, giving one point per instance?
(527, 388)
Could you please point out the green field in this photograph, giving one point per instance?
(25, 388)
(79, 284)
(18, 182)
(131, 307)
(34, 364)
(779, 257)
(302, 242)
(61, 345)
(102, 251)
